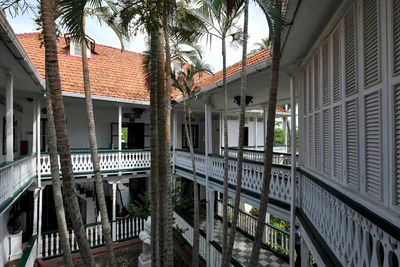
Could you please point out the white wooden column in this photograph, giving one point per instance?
(255, 132)
(9, 116)
(39, 178)
(34, 121)
(119, 138)
(265, 118)
(293, 175)
(304, 254)
(174, 140)
(221, 132)
(114, 211)
(208, 151)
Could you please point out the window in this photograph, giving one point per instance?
(195, 135)
(246, 136)
(43, 135)
(76, 49)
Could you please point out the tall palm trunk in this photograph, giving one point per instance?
(269, 142)
(228, 255)
(95, 156)
(154, 185)
(168, 212)
(53, 78)
(226, 152)
(56, 185)
(196, 215)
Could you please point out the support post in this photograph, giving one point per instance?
(114, 211)
(39, 178)
(265, 113)
(293, 175)
(174, 140)
(119, 138)
(221, 133)
(9, 116)
(208, 149)
(255, 132)
(305, 254)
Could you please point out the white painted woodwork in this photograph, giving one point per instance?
(9, 116)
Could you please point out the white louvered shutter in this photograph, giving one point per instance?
(373, 148)
(325, 74)
(305, 140)
(336, 66)
(326, 163)
(337, 142)
(311, 141)
(396, 95)
(352, 143)
(317, 88)
(350, 53)
(396, 36)
(371, 43)
(317, 138)
(310, 89)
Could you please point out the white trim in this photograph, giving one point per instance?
(107, 98)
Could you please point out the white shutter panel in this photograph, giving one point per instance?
(317, 138)
(326, 163)
(371, 43)
(373, 144)
(304, 82)
(352, 142)
(309, 86)
(305, 140)
(397, 143)
(325, 74)
(336, 66)
(396, 36)
(316, 82)
(337, 142)
(350, 53)
(311, 141)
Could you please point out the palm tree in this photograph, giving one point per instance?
(275, 18)
(264, 43)
(73, 16)
(231, 240)
(56, 186)
(219, 21)
(185, 82)
(54, 84)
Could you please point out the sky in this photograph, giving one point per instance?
(258, 29)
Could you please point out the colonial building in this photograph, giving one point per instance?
(340, 184)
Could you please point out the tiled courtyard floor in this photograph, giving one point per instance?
(243, 246)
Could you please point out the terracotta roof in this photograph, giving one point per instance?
(235, 68)
(113, 73)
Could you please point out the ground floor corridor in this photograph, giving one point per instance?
(243, 246)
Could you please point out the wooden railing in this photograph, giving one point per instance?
(274, 238)
(14, 177)
(110, 161)
(124, 229)
(258, 155)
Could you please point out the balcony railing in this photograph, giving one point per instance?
(252, 173)
(110, 161)
(274, 238)
(14, 177)
(258, 155)
(127, 228)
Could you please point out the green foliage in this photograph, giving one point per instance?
(142, 207)
(254, 211)
(279, 223)
(279, 133)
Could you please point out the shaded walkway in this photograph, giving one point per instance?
(243, 246)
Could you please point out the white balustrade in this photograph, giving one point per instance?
(29, 255)
(275, 238)
(125, 229)
(184, 159)
(15, 175)
(109, 161)
(278, 157)
(354, 239)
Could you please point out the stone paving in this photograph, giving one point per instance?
(243, 246)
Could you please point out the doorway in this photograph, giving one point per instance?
(132, 135)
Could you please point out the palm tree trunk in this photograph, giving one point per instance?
(56, 185)
(231, 240)
(269, 142)
(53, 78)
(226, 152)
(196, 215)
(168, 212)
(95, 156)
(155, 200)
